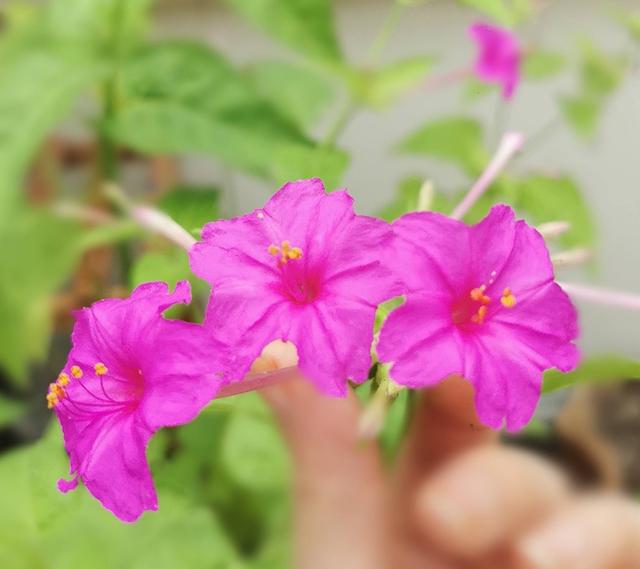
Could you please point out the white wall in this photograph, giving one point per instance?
(608, 169)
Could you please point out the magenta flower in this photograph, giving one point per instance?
(305, 268)
(481, 302)
(499, 56)
(129, 373)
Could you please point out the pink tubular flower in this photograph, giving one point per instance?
(481, 302)
(499, 56)
(129, 373)
(304, 268)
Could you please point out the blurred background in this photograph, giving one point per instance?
(202, 108)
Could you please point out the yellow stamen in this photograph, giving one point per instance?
(101, 369)
(63, 379)
(286, 252)
(76, 372)
(508, 299)
(478, 295)
(479, 317)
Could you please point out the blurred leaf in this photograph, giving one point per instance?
(38, 522)
(454, 139)
(582, 112)
(407, 197)
(43, 251)
(169, 266)
(595, 370)
(396, 422)
(253, 452)
(601, 72)
(304, 25)
(191, 206)
(543, 64)
(505, 12)
(475, 89)
(182, 97)
(294, 90)
(10, 410)
(630, 20)
(554, 199)
(386, 85)
(36, 91)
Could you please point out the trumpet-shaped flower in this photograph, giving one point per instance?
(499, 56)
(306, 269)
(481, 302)
(129, 373)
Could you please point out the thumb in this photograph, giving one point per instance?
(338, 481)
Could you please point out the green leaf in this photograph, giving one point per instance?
(37, 519)
(454, 139)
(169, 266)
(386, 85)
(554, 199)
(630, 20)
(505, 12)
(191, 206)
(582, 112)
(43, 251)
(253, 452)
(543, 65)
(36, 92)
(184, 98)
(595, 370)
(407, 199)
(476, 89)
(304, 25)
(294, 90)
(601, 72)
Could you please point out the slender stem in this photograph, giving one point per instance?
(342, 120)
(446, 79)
(604, 296)
(151, 219)
(386, 30)
(510, 144)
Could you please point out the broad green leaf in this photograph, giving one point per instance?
(505, 12)
(582, 112)
(36, 91)
(304, 25)
(384, 86)
(42, 528)
(454, 139)
(43, 251)
(191, 206)
(543, 64)
(184, 98)
(294, 90)
(553, 199)
(595, 370)
(169, 266)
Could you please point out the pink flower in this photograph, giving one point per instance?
(129, 373)
(305, 268)
(481, 302)
(499, 56)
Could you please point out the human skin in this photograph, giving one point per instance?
(454, 499)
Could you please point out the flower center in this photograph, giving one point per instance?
(474, 308)
(300, 282)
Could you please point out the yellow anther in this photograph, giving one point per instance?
(63, 379)
(478, 295)
(508, 299)
(76, 372)
(101, 369)
(479, 317)
(286, 251)
(52, 400)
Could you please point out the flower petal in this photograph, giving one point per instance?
(431, 252)
(420, 341)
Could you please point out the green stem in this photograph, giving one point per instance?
(386, 30)
(341, 122)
